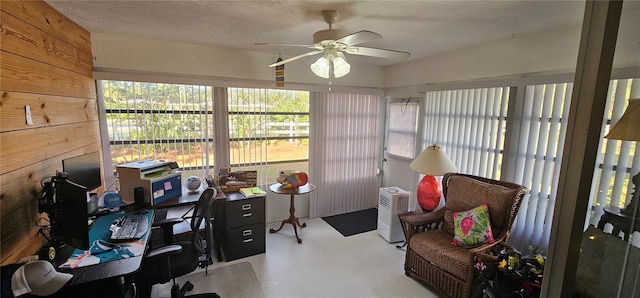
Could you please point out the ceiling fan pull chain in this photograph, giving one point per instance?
(330, 73)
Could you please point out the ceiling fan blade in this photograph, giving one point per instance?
(295, 58)
(359, 37)
(381, 53)
(285, 45)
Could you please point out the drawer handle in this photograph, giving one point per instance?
(246, 207)
(247, 240)
(247, 214)
(247, 233)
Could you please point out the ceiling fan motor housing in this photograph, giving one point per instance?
(328, 35)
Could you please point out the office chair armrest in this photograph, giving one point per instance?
(162, 252)
(167, 221)
(166, 225)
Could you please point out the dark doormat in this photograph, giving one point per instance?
(353, 223)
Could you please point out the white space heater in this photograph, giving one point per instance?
(392, 201)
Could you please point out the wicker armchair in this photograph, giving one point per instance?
(430, 256)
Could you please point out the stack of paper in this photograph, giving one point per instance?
(251, 192)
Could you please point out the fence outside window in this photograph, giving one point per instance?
(156, 121)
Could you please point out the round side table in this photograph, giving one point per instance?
(292, 191)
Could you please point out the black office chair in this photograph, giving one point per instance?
(175, 259)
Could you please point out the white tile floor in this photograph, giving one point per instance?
(327, 264)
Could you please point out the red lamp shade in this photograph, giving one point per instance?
(429, 193)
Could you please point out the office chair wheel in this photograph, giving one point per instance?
(188, 286)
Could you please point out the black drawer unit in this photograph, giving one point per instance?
(245, 241)
(243, 212)
(242, 223)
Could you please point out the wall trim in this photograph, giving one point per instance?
(117, 74)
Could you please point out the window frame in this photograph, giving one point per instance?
(411, 135)
(267, 169)
(208, 138)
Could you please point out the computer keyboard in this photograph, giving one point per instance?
(126, 227)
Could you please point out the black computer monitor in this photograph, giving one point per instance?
(84, 170)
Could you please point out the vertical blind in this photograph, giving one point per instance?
(469, 125)
(539, 154)
(247, 109)
(538, 157)
(343, 152)
(160, 122)
(268, 131)
(617, 160)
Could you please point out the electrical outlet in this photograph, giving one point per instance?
(27, 112)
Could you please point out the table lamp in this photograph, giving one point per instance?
(431, 162)
(627, 129)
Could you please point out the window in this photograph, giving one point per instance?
(268, 131)
(159, 121)
(617, 160)
(470, 127)
(471, 124)
(539, 154)
(538, 157)
(402, 129)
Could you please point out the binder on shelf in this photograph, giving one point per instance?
(252, 192)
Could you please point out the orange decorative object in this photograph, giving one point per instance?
(295, 180)
(429, 193)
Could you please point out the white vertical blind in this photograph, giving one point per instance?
(256, 138)
(469, 125)
(458, 121)
(159, 121)
(539, 153)
(343, 152)
(221, 133)
(617, 160)
(247, 109)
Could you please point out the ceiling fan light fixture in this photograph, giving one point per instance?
(331, 43)
(329, 61)
(321, 67)
(340, 66)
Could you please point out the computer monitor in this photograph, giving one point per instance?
(84, 170)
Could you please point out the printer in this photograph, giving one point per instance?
(159, 180)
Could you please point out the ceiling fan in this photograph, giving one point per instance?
(333, 43)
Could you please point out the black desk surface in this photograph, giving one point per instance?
(104, 271)
(98, 272)
(187, 198)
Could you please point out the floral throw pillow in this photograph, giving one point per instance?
(472, 227)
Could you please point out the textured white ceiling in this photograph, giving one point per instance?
(423, 28)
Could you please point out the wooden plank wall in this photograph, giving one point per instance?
(45, 63)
